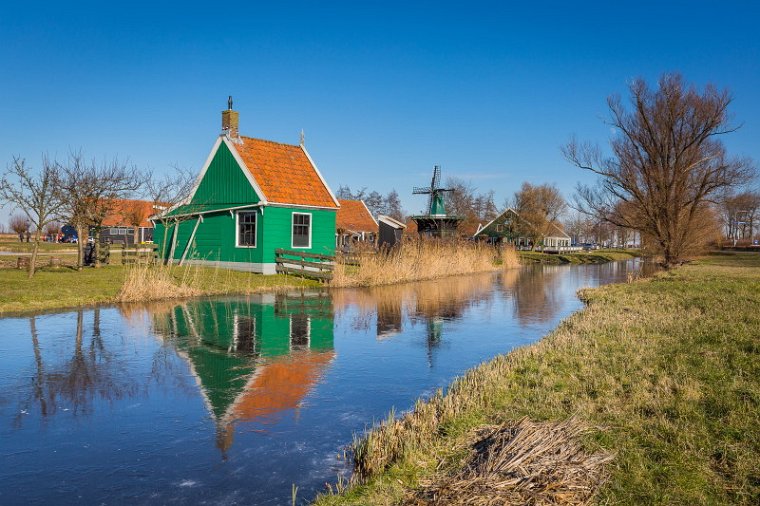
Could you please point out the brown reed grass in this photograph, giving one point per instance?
(422, 259)
(144, 283)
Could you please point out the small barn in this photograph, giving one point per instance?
(251, 198)
(504, 229)
(391, 231)
(128, 222)
(354, 224)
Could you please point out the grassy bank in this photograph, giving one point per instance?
(62, 288)
(582, 257)
(421, 260)
(663, 374)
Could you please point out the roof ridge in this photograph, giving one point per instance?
(268, 141)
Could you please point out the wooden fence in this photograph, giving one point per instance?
(307, 265)
(139, 255)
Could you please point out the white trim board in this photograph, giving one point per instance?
(255, 230)
(316, 169)
(292, 224)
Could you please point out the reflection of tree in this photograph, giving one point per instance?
(429, 302)
(535, 292)
(91, 373)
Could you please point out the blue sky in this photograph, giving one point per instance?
(383, 90)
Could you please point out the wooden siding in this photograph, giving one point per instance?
(224, 182)
(215, 237)
(278, 223)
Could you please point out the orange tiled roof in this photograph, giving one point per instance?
(353, 215)
(281, 384)
(284, 173)
(126, 212)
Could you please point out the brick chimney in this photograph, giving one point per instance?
(230, 121)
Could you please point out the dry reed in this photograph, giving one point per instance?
(521, 463)
(144, 283)
(422, 259)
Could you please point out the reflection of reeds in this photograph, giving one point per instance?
(422, 259)
(442, 297)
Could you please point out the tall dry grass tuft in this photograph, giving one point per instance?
(144, 283)
(422, 259)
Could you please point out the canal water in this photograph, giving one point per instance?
(236, 400)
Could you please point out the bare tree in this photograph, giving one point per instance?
(52, 229)
(667, 165)
(739, 214)
(540, 207)
(167, 192)
(377, 204)
(135, 216)
(92, 190)
(36, 194)
(20, 225)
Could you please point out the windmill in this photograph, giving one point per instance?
(436, 222)
(435, 205)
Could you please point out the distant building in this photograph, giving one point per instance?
(128, 222)
(354, 223)
(390, 230)
(504, 229)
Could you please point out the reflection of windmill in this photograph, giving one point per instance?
(436, 223)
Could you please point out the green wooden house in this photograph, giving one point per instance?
(505, 229)
(251, 198)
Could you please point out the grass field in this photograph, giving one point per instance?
(583, 257)
(664, 371)
(65, 287)
(26, 247)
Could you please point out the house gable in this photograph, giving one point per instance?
(224, 181)
(501, 226)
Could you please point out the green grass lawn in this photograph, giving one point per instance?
(26, 247)
(66, 287)
(665, 370)
(582, 257)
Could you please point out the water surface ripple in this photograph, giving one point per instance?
(234, 400)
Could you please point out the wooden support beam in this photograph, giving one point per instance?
(174, 242)
(190, 241)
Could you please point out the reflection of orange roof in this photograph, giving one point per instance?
(353, 215)
(127, 213)
(280, 384)
(284, 173)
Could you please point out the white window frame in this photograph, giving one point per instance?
(293, 223)
(255, 230)
(290, 332)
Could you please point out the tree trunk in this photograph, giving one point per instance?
(35, 249)
(137, 236)
(80, 247)
(96, 247)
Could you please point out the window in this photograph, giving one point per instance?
(122, 231)
(300, 331)
(246, 229)
(301, 230)
(244, 335)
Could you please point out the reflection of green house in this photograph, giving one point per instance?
(505, 229)
(252, 197)
(253, 358)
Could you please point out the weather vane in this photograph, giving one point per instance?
(229, 103)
